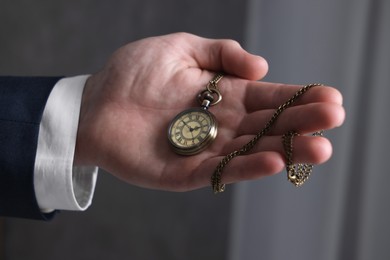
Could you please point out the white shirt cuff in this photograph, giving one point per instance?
(58, 184)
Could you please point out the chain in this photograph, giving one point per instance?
(211, 93)
(216, 177)
(297, 174)
(213, 84)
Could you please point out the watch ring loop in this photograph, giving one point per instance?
(212, 91)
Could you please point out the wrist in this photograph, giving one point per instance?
(83, 152)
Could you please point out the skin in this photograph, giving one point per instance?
(127, 106)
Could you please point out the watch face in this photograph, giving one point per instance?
(192, 130)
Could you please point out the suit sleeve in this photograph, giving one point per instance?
(22, 101)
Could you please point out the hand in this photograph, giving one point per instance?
(127, 107)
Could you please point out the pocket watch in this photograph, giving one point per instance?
(191, 131)
(194, 129)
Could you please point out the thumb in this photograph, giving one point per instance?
(227, 56)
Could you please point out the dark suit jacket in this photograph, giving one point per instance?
(22, 101)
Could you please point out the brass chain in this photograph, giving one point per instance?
(217, 175)
(298, 173)
(214, 82)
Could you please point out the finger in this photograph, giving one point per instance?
(249, 167)
(227, 56)
(306, 149)
(267, 159)
(261, 164)
(303, 119)
(264, 95)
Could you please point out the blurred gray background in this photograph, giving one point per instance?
(341, 213)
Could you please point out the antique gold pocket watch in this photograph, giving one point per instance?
(194, 129)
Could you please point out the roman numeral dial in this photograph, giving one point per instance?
(192, 131)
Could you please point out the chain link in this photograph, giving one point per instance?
(217, 175)
(213, 84)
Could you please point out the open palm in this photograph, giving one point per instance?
(128, 105)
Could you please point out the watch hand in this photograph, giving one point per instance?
(196, 128)
(189, 127)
